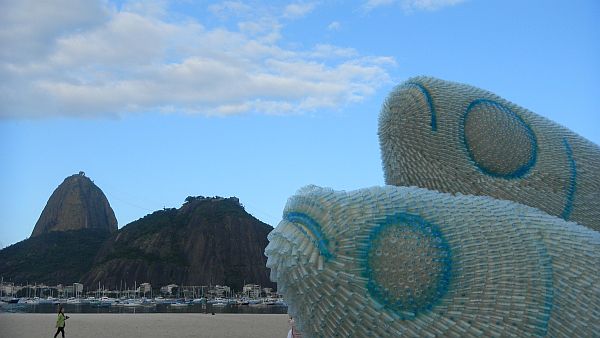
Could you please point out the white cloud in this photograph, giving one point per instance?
(126, 39)
(334, 26)
(428, 5)
(153, 8)
(324, 51)
(127, 60)
(371, 4)
(227, 8)
(412, 5)
(298, 10)
(28, 28)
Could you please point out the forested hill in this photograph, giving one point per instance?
(209, 240)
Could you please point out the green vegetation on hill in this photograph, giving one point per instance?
(128, 244)
(209, 240)
(52, 258)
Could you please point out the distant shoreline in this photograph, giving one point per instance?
(141, 308)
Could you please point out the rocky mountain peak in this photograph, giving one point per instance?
(77, 203)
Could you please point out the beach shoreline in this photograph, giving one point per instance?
(147, 325)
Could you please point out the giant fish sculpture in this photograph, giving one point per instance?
(453, 137)
(406, 261)
(493, 230)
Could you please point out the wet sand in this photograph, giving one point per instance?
(145, 325)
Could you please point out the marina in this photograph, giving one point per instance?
(145, 305)
(142, 298)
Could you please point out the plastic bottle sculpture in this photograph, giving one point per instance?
(508, 259)
(453, 138)
(406, 261)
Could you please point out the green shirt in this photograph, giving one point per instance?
(60, 322)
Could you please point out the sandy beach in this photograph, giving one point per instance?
(145, 325)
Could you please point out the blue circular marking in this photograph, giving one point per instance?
(312, 230)
(523, 169)
(429, 101)
(409, 306)
(545, 277)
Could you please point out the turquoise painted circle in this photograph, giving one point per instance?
(408, 264)
(497, 140)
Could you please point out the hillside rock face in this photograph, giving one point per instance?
(76, 204)
(206, 241)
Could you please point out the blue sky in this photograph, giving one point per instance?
(159, 100)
